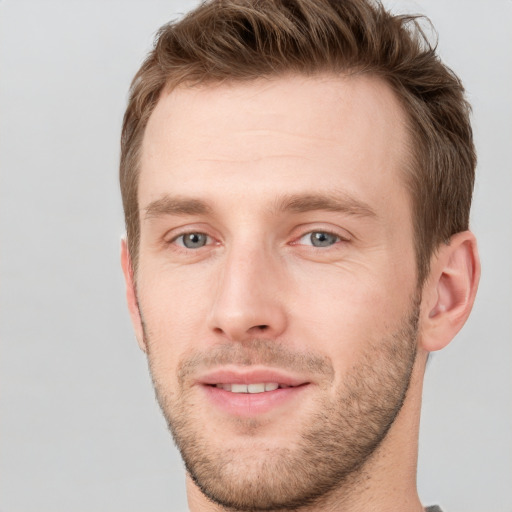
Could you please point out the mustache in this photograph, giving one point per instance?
(255, 352)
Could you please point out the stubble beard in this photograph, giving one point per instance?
(333, 446)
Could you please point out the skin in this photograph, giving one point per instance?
(257, 168)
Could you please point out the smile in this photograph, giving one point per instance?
(252, 388)
(250, 393)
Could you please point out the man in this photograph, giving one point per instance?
(296, 178)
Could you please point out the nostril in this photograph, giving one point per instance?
(262, 327)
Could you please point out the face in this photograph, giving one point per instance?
(276, 281)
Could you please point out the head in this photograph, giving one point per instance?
(296, 188)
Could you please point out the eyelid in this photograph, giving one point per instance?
(343, 235)
(171, 236)
(182, 235)
(307, 236)
(183, 229)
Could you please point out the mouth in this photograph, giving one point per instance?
(252, 393)
(252, 388)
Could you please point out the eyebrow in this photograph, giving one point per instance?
(296, 203)
(168, 205)
(333, 202)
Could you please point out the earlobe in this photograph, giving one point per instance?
(449, 293)
(131, 295)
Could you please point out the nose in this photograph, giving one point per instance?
(248, 300)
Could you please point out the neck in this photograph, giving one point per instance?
(387, 481)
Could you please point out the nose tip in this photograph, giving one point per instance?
(241, 325)
(248, 303)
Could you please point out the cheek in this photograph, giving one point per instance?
(341, 313)
(170, 296)
(173, 309)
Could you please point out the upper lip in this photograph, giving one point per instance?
(250, 376)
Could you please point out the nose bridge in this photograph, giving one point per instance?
(247, 299)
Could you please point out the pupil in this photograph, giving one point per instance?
(194, 240)
(320, 239)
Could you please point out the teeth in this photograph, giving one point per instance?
(256, 388)
(249, 388)
(238, 388)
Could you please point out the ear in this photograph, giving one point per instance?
(449, 292)
(131, 294)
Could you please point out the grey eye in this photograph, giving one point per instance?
(322, 239)
(192, 240)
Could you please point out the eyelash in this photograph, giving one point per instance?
(209, 239)
(309, 234)
(183, 235)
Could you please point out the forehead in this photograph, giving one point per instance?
(278, 135)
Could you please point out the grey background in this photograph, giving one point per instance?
(80, 430)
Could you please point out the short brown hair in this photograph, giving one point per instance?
(240, 40)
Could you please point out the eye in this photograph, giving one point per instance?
(319, 239)
(192, 240)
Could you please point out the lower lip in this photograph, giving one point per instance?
(252, 404)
